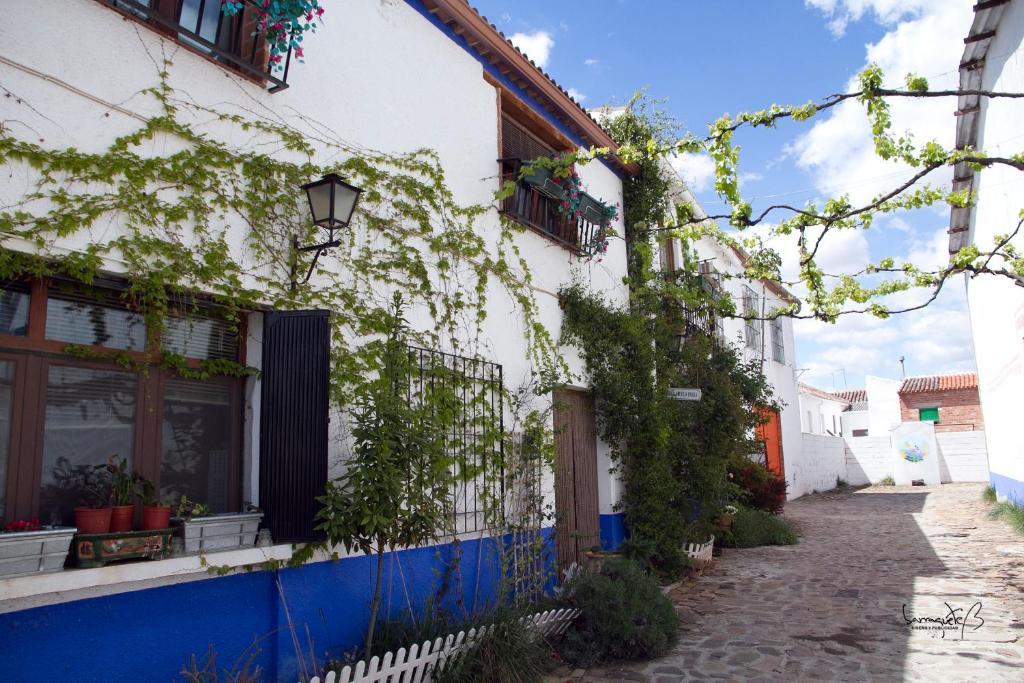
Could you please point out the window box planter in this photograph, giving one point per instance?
(96, 550)
(544, 182)
(34, 552)
(217, 532)
(592, 210)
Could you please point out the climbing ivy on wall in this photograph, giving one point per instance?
(672, 456)
(186, 210)
(198, 203)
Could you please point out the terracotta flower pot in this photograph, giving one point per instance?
(92, 520)
(156, 517)
(121, 517)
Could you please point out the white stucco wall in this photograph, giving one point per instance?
(996, 304)
(821, 465)
(377, 75)
(883, 404)
(868, 459)
(855, 419)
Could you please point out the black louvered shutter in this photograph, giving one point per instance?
(293, 421)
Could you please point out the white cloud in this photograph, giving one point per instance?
(591, 62)
(838, 151)
(750, 177)
(537, 45)
(696, 170)
(576, 95)
(841, 12)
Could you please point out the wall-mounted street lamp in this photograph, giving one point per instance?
(332, 202)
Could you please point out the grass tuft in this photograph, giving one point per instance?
(1010, 513)
(887, 480)
(989, 494)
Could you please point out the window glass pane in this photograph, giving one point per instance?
(77, 320)
(6, 385)
(90, 416)
(197, 425)
(14, 311)
(199, 338)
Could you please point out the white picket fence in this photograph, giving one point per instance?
(418, 663)
(700, 553)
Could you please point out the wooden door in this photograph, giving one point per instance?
(576, 508)
(771, 434)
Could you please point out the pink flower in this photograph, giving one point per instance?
(298, 52)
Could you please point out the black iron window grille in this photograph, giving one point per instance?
(474, 431)
(703, 317)
(752, 326)
(778, 341)
(233, 41)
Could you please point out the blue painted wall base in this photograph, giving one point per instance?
(149, 635)
(1010, 488)
(613, 531)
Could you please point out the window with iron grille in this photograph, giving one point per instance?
(473, 431)
(236, 42)
(778, 341)
(752, 327)
(536, 198)
(711, 282)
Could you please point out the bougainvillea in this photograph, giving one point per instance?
(282, 23)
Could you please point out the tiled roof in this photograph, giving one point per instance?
(853, 395)
(492, 45)
(821, 393)
(950, 382)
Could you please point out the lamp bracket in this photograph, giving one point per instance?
(318, 249)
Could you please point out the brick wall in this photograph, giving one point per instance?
(959, 411)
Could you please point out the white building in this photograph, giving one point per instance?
(389, 76)
(994, 60)
(771, 342)
(821, 412)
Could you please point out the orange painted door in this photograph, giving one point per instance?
(771, 434)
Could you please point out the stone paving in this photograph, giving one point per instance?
(832, 606)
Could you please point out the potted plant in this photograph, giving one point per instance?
(124, 487)
(93, 515)
(543, 180)
(26, 548)
(591, 209)
(204, 532)
(724, 518)
(156, 514)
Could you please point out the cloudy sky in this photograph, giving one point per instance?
(705, 59)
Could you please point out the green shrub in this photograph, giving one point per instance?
(887, 480)
(989, 494)
(752, 528)
(511, 651)
(624, 615)
(1011, 513)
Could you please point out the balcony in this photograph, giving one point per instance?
(538, 210)
(201, 26)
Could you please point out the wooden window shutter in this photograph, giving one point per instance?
(293, 421)
(519, 143)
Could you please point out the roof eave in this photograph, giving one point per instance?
(492, 45)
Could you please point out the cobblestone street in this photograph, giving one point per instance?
(832, 606)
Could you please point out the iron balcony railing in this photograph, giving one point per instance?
(539, 211)
(201, 25)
